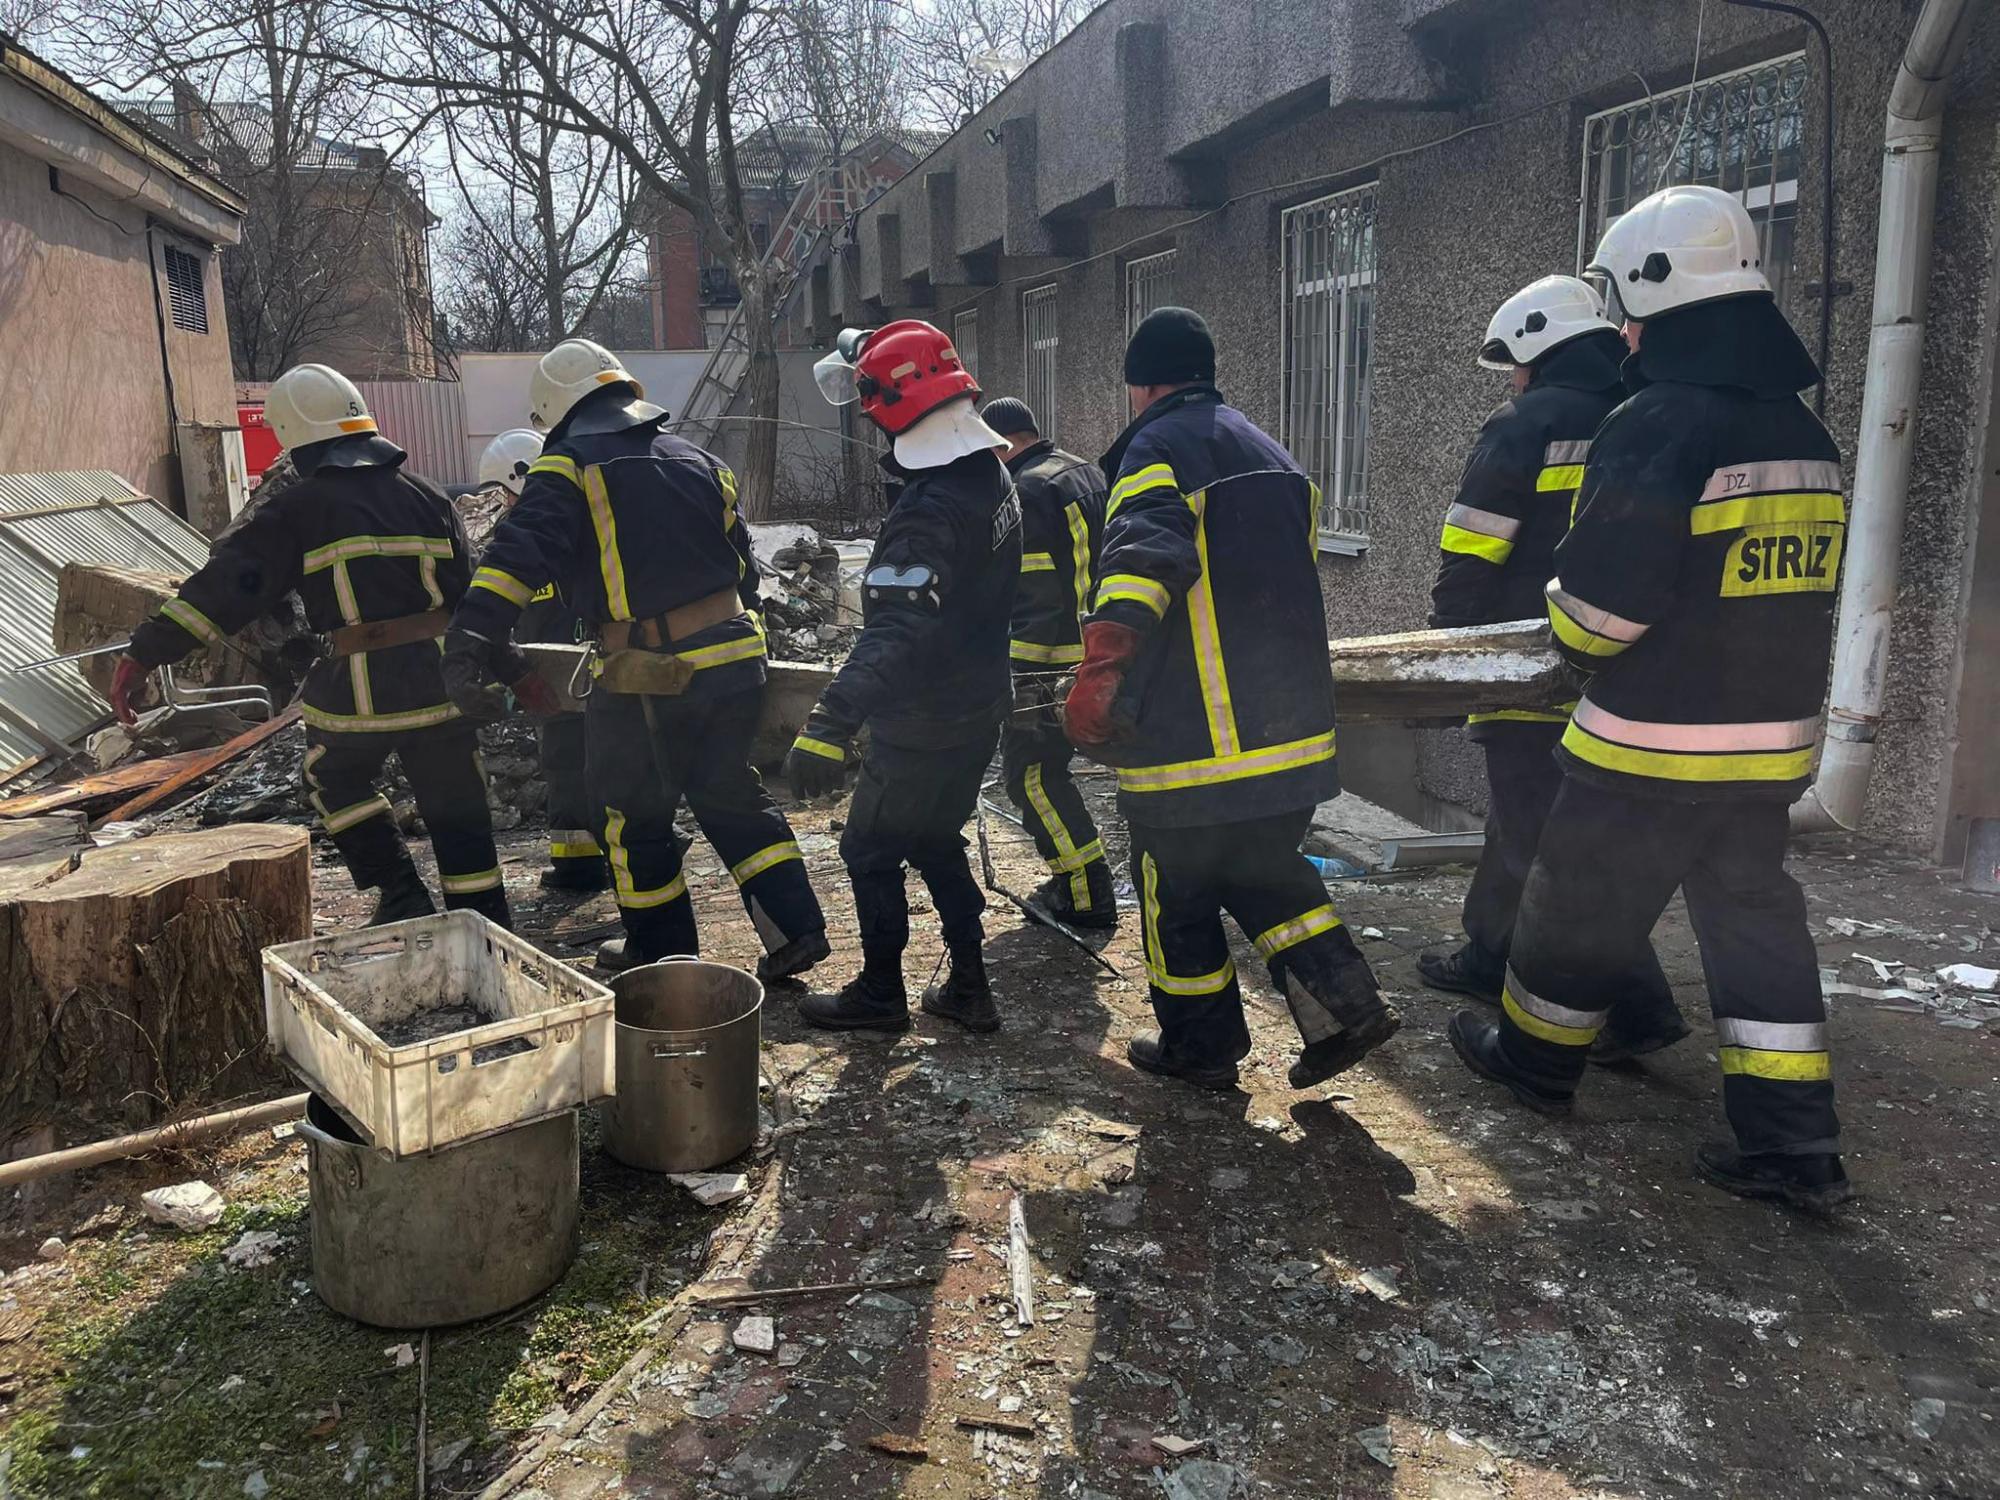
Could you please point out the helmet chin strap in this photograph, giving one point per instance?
(944, 436)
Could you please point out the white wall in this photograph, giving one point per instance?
(496, 388)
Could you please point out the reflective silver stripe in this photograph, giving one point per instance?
(1548, 1010)
(1591, 617)
(1774, 734)
(1485, 522)
(1566, 453)
(1771, 1036)
(1775, 475)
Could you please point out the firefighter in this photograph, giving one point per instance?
(1697, 585)
(638, 530)
(1205, 680)
(576, 862)
(1496, 553)
(1062, 524)
(378, 557)
(927, 676)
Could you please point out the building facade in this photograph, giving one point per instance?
(1346, 191)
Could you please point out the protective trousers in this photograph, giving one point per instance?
(1609, 863)
(574, 819)
(909, 808)
(1035, 758)
(1187, 877)
(1522, 779)
(442, 764)
(644, 755)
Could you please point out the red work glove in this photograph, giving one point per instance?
(125, 681)
(1108, 649)
(536, 696)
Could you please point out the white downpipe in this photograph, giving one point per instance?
(1888, 418)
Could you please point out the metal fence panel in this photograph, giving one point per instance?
(1329, 328)
(425, 418)
(1040, 341)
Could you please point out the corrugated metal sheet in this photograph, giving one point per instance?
(45, 521)
(426, 419)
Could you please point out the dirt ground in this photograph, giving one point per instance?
(1395, 1286)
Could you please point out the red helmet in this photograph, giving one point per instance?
(900, 372)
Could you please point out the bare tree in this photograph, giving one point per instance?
(840, 70)
(960, 53)
(24, 18)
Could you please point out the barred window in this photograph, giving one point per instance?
(1149, 284)
(965, 339)
(187, 289)
(1040, 340)
(1329, 332)
(1742, 132)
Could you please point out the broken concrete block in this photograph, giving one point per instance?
(712, 1189)
(186, 1206)
(52, 1249)
(755, 1335)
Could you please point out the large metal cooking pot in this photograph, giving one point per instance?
(688, 1037)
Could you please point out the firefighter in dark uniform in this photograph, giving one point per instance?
(927, 676)
(576, 860)
(1496, 553)
(638, 530)
(1206, 681)
(378, 557)
(1697, 585)
(1062, 527)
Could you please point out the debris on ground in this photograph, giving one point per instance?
(51, 1248)
(186, 1206)
(253, 1249)
(712, 1189)
(755, 1335)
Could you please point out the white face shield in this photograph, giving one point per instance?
(836, 374)
(1606, 286)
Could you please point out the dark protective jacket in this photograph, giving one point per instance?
(1062, 527)
(1698, 579)
(627, 525)
(358, 545)
(930, 665)
(1211, 548)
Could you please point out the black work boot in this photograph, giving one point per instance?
(1055, 898)
(795, 957)
(616, 955)
(1150, 1054)
(1469, 971)
(402, 897)
(864, 1003)
(491, 905)
(1816, 1183)
(1614, 1047)
(1476, 1040)
(1333, 1055)
(577, 875)
(965, 996)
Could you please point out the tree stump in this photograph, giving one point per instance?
(131, 977)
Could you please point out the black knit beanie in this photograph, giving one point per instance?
(1009, 415)
(1171, 346)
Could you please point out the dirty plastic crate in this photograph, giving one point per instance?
(548, 1043)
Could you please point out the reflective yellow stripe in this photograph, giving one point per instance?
(506, 585)
(1559, 477)
(749, 869)
(1088, 854)
(584, 848)
(1493, 549)
(1079, 548)
(1152, 477)
(1312, 518)
(1147, 591)
(726, 477)
(358, 683)
(1577, 1035)
(1035, 651)
(812, 746)
(1037, 562)
(192, 620)
(626, 893)
(347, 817)
(1673, 765)
(463, 885)
(1206, 632)
(1052, 823)
(1276, 940)
(1757, 510)
(740, 649)
(427, 573)
(413, 718)
(1785, 1067)
(1262, 762)
(349, 548)
(343, 593)
(608, 561)
(1156, 961)
(556, 463)
(1588, 628)
(1520, 716)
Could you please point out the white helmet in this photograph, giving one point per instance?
(507, 457)
(1681, 246)
(312, 403)
(1541, 317)
(568, 373)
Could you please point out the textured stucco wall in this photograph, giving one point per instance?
(1461, 223)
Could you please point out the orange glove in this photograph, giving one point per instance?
(1108, 650)
(125, 681)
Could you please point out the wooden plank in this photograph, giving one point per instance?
(135, 777)
(37, 838)
(204, 762)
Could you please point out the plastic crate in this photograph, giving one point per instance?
(547, 1045)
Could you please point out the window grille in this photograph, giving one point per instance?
(965, 338)
(1149, 284)
(187, 289)
(1329, 331)
(1040, 341)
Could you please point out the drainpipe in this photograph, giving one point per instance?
(1888, 418)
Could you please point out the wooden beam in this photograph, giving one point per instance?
(204, 762)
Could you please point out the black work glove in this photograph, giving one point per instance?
(471, 680)
(817, 763)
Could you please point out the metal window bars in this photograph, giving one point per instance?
(1149, 284)
(1040, 340)
(965, 339)
(1741, 131)
(1329, 325)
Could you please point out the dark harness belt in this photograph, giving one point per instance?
(675, 625)
(379, 635)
